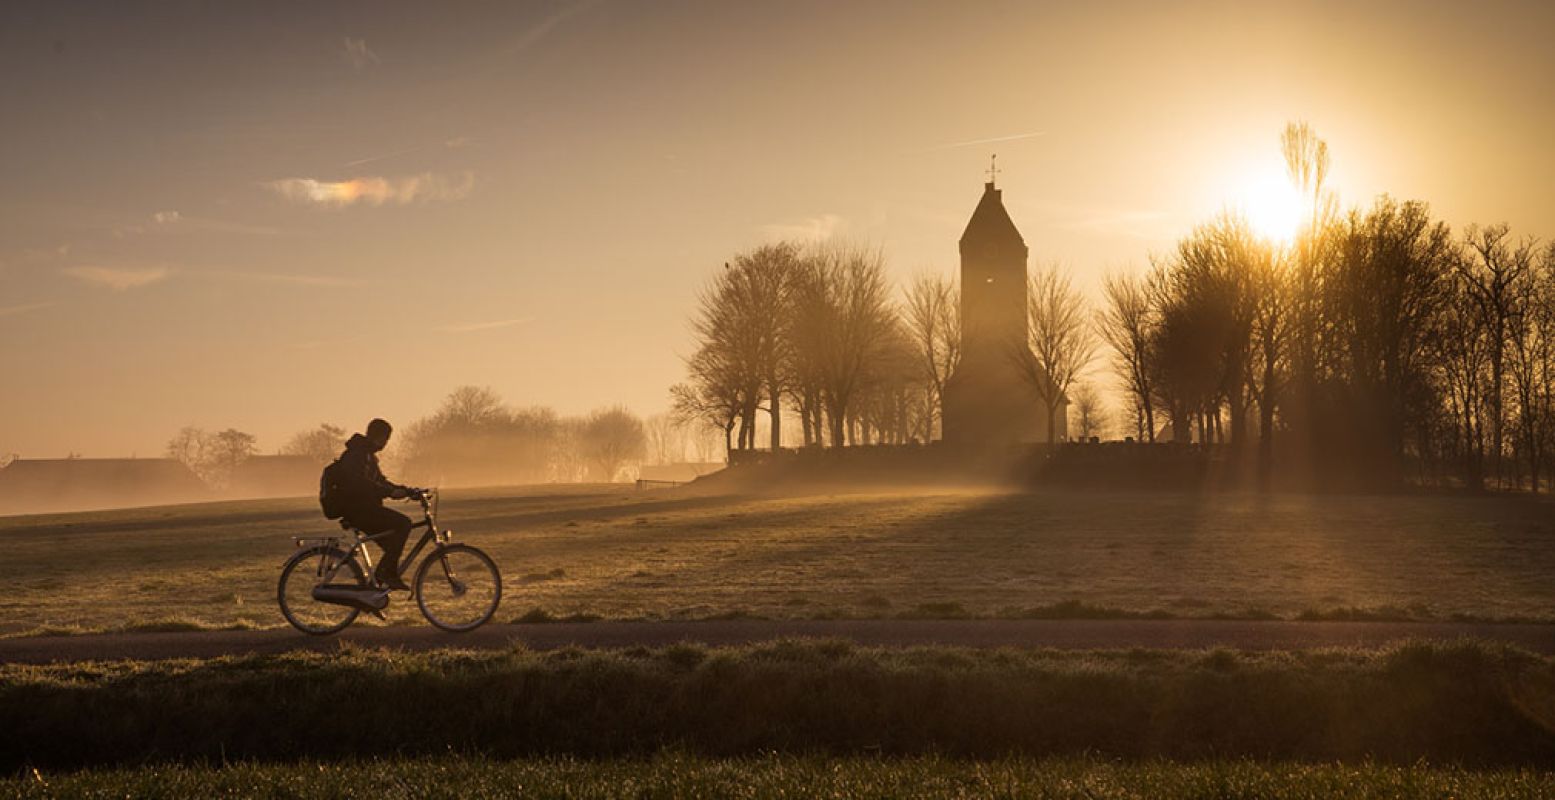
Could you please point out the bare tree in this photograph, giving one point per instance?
(189, 447)
(211, 456)
(1307, 164)
(712, 398)
(1127, 324)
(1388, 283)
(1087, 415)
(227, 450)
(1061, 338)
(1269, 293)
(766, 276)
(612, 438)
(1490, 273)
(473, 406)
(933, 316)
(1532, 361)
(843, 321)
(475, 439)
(1460, 356)
(666, 439)
(321, 444)
(894, 400)
(809, 322)
(740, 334)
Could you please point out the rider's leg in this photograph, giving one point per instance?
(380, 520)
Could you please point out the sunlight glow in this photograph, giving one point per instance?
(1271, 205)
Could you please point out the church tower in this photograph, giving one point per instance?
(991, 400)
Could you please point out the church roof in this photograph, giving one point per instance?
(990, 221)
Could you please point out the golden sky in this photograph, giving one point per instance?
(259, 216)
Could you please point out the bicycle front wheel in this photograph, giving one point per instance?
(307, 569)
(458, 588)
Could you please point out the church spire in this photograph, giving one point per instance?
(990, 222)
(993, 170)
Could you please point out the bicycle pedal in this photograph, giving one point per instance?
(380, 615)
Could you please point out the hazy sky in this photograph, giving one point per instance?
(268, 215)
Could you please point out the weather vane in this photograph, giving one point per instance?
(993, 168)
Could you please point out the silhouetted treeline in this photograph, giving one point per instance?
(474, 439)
(1377, 348)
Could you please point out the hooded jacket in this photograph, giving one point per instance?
(359, 479)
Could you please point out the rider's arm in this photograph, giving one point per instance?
(386, 487)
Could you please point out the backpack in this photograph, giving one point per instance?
(331, 497)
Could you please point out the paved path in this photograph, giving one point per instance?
(1066, 634)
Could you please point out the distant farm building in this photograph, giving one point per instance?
(30, 485)
(275, 476)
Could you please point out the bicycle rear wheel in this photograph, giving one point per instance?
(458, 588)
(295, 591)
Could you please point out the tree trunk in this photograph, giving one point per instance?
(777, 419)
(1266, 435)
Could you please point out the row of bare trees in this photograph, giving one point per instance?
(816, 333)
(1377, 347)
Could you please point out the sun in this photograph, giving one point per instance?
(1272, 206)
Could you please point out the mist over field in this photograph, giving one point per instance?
(690, 398)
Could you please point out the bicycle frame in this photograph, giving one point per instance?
(428, 521)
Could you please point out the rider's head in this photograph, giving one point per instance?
(378, 432)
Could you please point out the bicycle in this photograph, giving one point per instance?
(324, 587)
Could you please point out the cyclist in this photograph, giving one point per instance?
(362, 489)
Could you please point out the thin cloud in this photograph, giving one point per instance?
(812, 229)
(471, 327)
(374, 191)
(975, 142)
(161, 220)
(358, 54)
(119, 279)
(11, 311)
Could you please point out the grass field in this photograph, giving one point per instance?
(682, 776)
(673, 554)
(1464, 703)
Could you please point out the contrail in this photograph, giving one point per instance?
(370, 159)
(975, 142)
